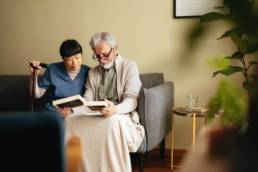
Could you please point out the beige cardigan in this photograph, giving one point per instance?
(128, 85)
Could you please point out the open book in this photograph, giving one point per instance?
(76, 101)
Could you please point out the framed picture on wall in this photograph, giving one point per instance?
(195, 8)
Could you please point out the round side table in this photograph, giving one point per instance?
(196, 112)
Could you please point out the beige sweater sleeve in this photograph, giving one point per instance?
(131, 89)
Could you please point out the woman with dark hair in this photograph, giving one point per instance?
(62, 79)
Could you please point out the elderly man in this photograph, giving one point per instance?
(107, 139)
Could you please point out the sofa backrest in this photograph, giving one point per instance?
(151, 79)
(14, 93)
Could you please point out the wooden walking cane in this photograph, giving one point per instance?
(33, 89)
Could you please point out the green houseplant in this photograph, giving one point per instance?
(243, 19)
(243, 34)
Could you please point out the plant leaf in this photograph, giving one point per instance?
(228, 70)
(198, 30)
(237, 56)
(210, 17)
(241, 44)
(218, 63)
(228, 32)
(252, 48)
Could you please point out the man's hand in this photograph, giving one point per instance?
(65, 111)
(35, 65)
(110, 110)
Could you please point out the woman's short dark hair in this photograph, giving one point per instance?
(69, 48)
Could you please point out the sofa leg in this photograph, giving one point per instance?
(141, 162)
(162, 148)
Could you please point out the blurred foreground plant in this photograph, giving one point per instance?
(229, 104)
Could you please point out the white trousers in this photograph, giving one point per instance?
(106, 142)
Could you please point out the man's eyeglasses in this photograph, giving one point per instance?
(99, 56)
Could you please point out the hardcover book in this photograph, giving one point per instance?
(77, 101)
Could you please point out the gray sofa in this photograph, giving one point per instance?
(154, 105)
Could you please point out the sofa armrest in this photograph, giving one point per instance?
(154, 110)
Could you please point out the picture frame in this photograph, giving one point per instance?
(194, 8)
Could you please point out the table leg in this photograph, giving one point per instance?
(194, 127)
(172, 143)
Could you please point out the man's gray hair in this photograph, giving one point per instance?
(102, 37)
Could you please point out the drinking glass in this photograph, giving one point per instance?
(192, 101)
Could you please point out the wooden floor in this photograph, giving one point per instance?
(154, 163)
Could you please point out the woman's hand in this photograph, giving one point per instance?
(110, 110)
(35, 65)
(65, 111)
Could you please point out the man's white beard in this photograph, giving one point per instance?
(107, 66)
